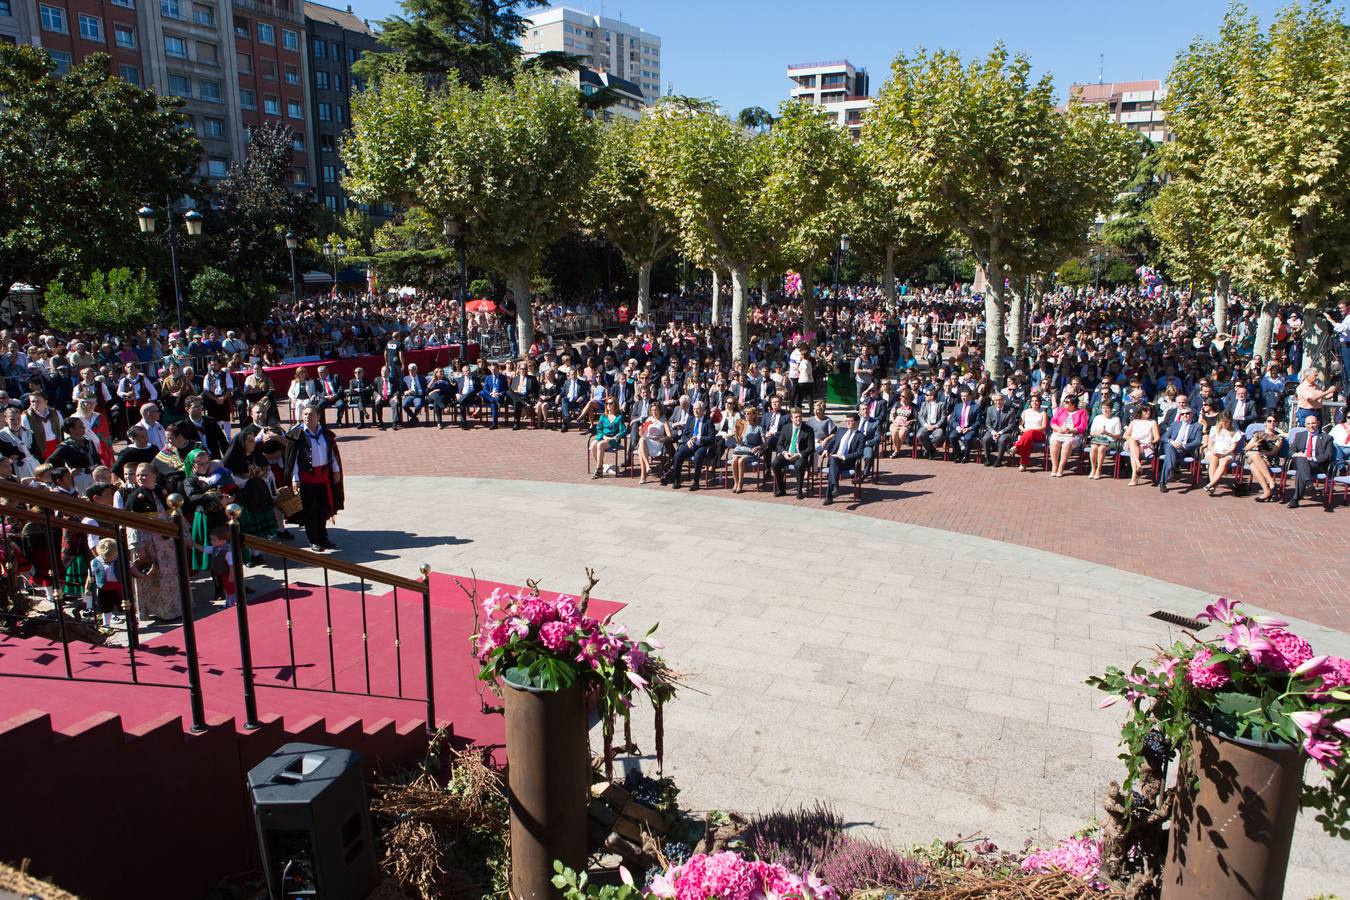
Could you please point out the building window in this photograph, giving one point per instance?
(353, 54)
(129, 4)
(216, 167)
(210, 90)
(180, 86)
(337, 83)
(272, 105)
(203, 15)
(245, 63)
(130, 74)
(266, 33)
(289, 39)
(325, 112)
(175, 46)
(330, 174)
(298, 141)
(299, 177)
(269, 69)
(321, 80)
(208, 54)
(294, 110)
(341, 113)
(248, 99)
(62, 60)
(241, 27)
(213, 128)
(320, 50)
(292, 75)
(327, 143)
(91, 28)
(54, 19)
(331, 203)
(171, 8)
(125, 36)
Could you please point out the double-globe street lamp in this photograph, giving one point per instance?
(335, 253)
(838, 261)
(192, 219)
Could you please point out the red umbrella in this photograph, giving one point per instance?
(481, 306)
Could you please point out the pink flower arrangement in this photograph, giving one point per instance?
(1080, 857)
(1254, 679)
(728, 876)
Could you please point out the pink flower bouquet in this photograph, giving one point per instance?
(1256, 680)
(728, 876)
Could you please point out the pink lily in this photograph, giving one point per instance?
(638, 681)
(1308, 721)
(1343, 726)
(1312, 668)
(1165, 668)
(1326, 753)
(1248, 638)
(1109, 701)
(1270, 622)
(1222, 611)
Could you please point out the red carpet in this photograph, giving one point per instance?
(77, 751)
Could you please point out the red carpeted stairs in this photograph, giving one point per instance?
(105, 787)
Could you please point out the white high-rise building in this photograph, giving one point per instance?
(840, 88)
(606, 45)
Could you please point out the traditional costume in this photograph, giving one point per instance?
(312, 459)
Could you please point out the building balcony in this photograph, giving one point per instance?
(266, 9)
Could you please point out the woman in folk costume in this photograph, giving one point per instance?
(96, 428)
(154, 562)
(204, 486)
(314, 469)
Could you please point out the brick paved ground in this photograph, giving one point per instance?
(1296, 562)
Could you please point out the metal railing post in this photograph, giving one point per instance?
(128, 603)
(58, 588)
(195, 702)
(426, 648)
(234, 512)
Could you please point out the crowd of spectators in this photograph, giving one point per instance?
(1119, 381)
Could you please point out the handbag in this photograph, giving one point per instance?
(288, 501)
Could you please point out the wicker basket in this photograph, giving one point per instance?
(288, 501)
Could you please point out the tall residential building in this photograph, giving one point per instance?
(842, 89)
(606, 45)
(337, 39)
(1135, 104)
(235, 63)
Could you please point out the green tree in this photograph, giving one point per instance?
(1262, 120)
(477, 40)
(78, 155)
(814, 174)
(984, 153)
(217, 298)
(756, 118)
(115, 302)
(881, 227)
(245, 228)
(712, 176)
(1075, 273)
(618, 205)
(1128, 227)
(508, 162)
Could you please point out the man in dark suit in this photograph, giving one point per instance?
(963, 427)
(774, 420)
(575, 393)
(1000, 430)
(693, 446)
(793, 450)
(1182, 440)
(360, 395)
(466, 389)
(932, 420)
(414, 394)
(331, 395)
(524, 392)
(209, 432)
(870, 429)
(386, 390)
(846, 456)
(1309, 455)
(1242, 407)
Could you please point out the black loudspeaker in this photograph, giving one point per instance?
(313, 823)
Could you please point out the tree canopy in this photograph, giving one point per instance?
(477, 40)
(79, 154)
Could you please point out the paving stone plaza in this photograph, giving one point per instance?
(925, 682)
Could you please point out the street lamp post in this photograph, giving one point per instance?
(838, 261)
(335, 254)
(291, 243)
(454, 233)
(145, 217)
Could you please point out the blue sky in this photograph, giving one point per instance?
(736, 51)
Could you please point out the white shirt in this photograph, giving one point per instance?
(155, 433)
(318, 451)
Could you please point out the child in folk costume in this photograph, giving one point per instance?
(104, 582)
(222, 566)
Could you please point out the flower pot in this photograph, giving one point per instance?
(547, 780)
(1231, 832)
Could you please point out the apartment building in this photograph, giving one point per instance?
(1135, 104)
(273, 73)
(337, 39)
(841, 89)
(608, 46)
